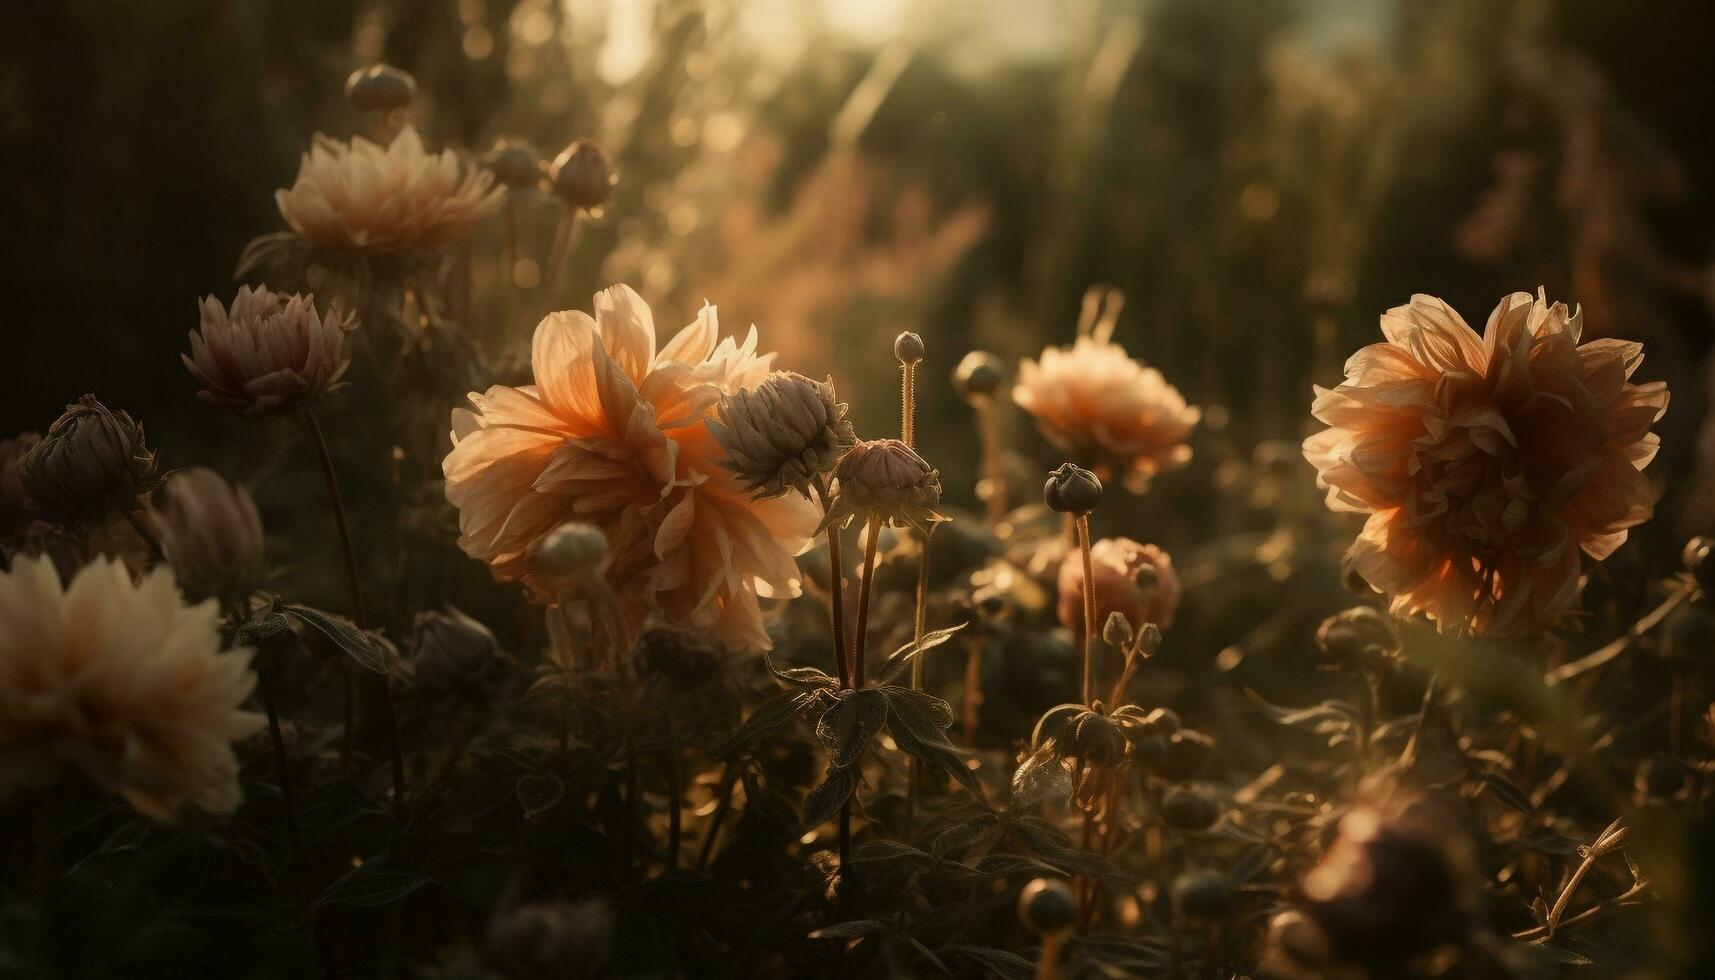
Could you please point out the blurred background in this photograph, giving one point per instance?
(1261, 178)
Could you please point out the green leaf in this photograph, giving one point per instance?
(961, 835)
(362, 647)
(825, 800)
(539, 792)
(1050, 844)
(768, 716)
(997, 962)
(902, 657)
(367, 886)
(800, 676)
(918, 721)
(847, 728)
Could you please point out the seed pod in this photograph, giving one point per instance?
(979, 375)
(908, 348)
(380, 87)
(1202, 894)
(1046, 906)
(1071, 489)
(211, 534)
(1184, 808)
(581, 175)
(93, 464)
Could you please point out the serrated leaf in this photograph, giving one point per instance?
(539, 792)
(918, 722)
(901, 658)
(847, 728)
(363, 648)
(768, 716)
(998, 962)
(825, 800)
(367, 886)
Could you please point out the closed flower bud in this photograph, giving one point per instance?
(783, 433)
(380, 87)
(451, 652)
(581, 175)
(1046, 906)
(573, 549)
(552, 941)
(211, 534)
(1149, 639)
(266, 354)
(515, 163)
(1071, 489)
(885, 478)
(908, 347)
(1184, 808)
(1358, 635)
(1699, 558)
(1117, 630)
(1202, 894)
(14, 505)
(979, 375)
(92, 464)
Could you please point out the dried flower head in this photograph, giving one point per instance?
(1107, 409)
(612, 434)
(124, 681)
(887, 480)
(15, 512)
(581, 175)
(380, 87)
(783, 433)
(211, 534)
(92, 465)
(268, 353)
(1134, 580)
(1487, 463)
(361, 196)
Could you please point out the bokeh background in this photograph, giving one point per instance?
(1261, 177)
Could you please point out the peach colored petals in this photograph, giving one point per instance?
(1131, 578)
(1119, 416)
(613, 433)
(1487, 463)
(268, 353)
(123, 680)
(361, 195)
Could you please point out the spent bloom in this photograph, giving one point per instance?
(92, 464)
(612, 433)
(1487, 463)
(783, 433)
(1115, 413)
(267, 353)
(886, 479)
(364, 196)
(1136, 580)
(123, 680)
(211, 534)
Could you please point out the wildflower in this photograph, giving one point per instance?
(123, 680)
(581, 176)
(1133, 580)
(211, 534)
(612, 434)
(1487, 463)
(783, 433)
(1071, 489)
(364, 196)
(380, 87)
(886, 479)
(1094, 401)
(268, 353)
(93, 464)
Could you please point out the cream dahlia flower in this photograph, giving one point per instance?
(1487, 463)
(361, 195)
(1116, 414)
(613, 433)
(123, 680)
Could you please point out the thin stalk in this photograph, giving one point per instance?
(860, 642)
(1430, 693)
(628, 833)
(973, 682)
(908, 404)
(836, 587)
(357, 614)
(1089, 604)
(915, 786)
(266, 680)
(1048, 962)
(994, 483)
(723, 803)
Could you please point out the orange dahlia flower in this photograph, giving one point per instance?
(613, 433)
(1487, 463)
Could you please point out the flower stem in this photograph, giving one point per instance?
(1089, 603)
(357, 613)
(908, 404)
(993, 483)
(836, 587)
(556, 258)
(723, 804)
(860, 642)
(914, 788)
(282, 764)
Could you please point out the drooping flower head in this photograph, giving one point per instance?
(268, 353)
(124, 681)
(783, 433)
(887, 480)
(1487, 463)
(1118, 416)
(612, 433)
(1134, 579)
(92, 465)
(364, 196)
